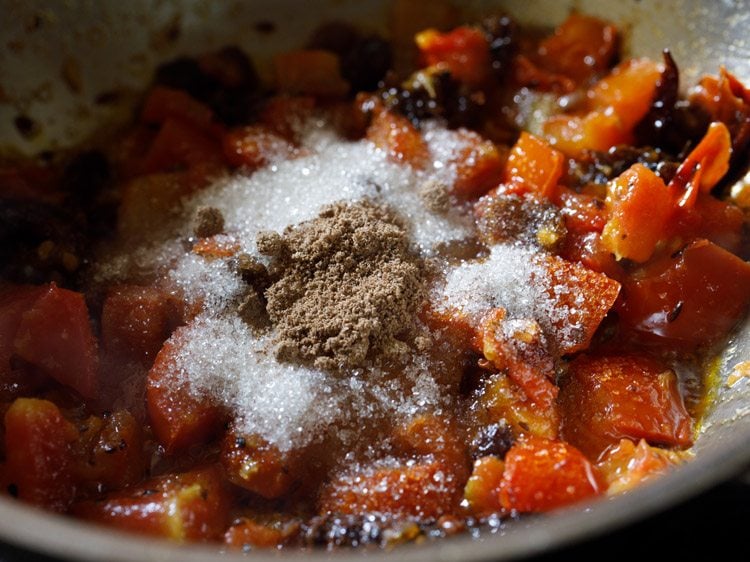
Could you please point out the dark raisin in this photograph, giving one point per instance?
(365, 65)
(494, 439)
(500, 32)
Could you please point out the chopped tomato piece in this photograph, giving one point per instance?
(454, 327)
(55, 335)
(482, 491)
(605, 399)
(254, 146)
(135, 322)
(192, 506)
(178, 417)
(285, 115)
(565, 281)
(615, 106)
(464, 51)
(216, 247)
(523, 354)
(109, 452)
(582, 212)
(581, 47)
(427, 435)
(628, 90)
(253, 464)
(312, 72)
(628, 465)
(726, 99)
(588, 250)
(181, 146)
(639, 205)
(533, 163)
(15, 300)
(502, 399)
(689, 299)
(541, 475)
(479, 166)
(421, 489)
(720, 222)
(251, 533)
(165, 103)
(398, 138)
(38, 453)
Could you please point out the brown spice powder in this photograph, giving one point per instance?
(346, 287)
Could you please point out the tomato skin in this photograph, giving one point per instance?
(192, 506)
(627, 465)
(605, 399)
(179, 419)
(55, 335)
(541, 475)
(687, 300)
(39, 458)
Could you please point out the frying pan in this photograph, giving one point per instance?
(72, 66)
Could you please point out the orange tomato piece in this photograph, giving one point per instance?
(580, 47)
(216, 247)
(254, 146)
(464, 51)
(479, 166)
(253, 464)
(255, 534)
(312, 72)
(38, 453)
(533, 163)
(180, 146)
(55, 335)
(541, 475)
(135, 322)
(523, 355)
(605, 399)
(639, 206)
(503, 399)
(423, 489)
(179, 419)
(15, 300)
(482, 491)
(109, 452)
(165, 103)
(192, 506)
(564, 280)
(689, 299)
(398, 138)
(284, 114)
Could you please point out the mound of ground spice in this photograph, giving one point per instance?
(346, 287)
